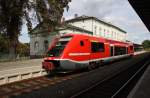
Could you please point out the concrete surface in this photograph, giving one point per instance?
(19, 70)
(142, 88)
(20, 64)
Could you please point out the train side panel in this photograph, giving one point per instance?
(78, 49)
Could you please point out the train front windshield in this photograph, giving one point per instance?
(59, 47)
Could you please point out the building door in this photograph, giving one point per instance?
(45, 46)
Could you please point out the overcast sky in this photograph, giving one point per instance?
(118, 12)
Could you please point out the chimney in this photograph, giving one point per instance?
(75, 15)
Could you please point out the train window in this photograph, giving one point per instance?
(65, 38)
(131, 47)
(58, 48)
(81, 43)
(97, 47)
(120, 50)
(111, 51)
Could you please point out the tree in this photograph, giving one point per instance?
(3, 44)
(146, 44)
(13, 12)
(23, 49)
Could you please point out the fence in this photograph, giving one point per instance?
(17, 74)
(5, 57)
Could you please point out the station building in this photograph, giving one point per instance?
(99, 27)
(40, 38)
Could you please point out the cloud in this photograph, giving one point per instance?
(97, 8)
(118, 12)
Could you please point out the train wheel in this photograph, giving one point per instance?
(92, 65)
(89, 68)
(101, 64)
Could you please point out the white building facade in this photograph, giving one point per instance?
(99, 28)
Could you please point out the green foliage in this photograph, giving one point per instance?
(13, 12)
(49, 12)
(23, 49)
(146, 44)
(3, 44)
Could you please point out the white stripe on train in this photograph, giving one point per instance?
(87, 61)
(78, 54)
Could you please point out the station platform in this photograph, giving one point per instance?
(20, 64)
(19, 70)
(142, 88)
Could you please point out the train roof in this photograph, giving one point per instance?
(101, 38)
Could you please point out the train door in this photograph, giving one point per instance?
(111, 50)
(126, 50)
(97, 52)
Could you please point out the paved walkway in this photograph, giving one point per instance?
(20, 64)
(142, 88)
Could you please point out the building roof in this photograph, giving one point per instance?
(39, 29)
(68, 26)
(94, 18)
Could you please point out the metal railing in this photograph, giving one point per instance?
(17, 74)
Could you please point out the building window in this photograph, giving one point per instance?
(115, 36)
(95, 30)
(105, 33)
(104, 30)
(108, 34)
(36, 46)
(100, 31)
(83, 27)
(45, 45)
(112, 34)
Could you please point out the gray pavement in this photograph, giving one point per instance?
(19, 70)
(142, 88)
(20, 64)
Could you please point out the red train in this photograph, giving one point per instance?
(75, 51)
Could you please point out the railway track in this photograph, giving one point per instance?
(13, 89)
(117, 86)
